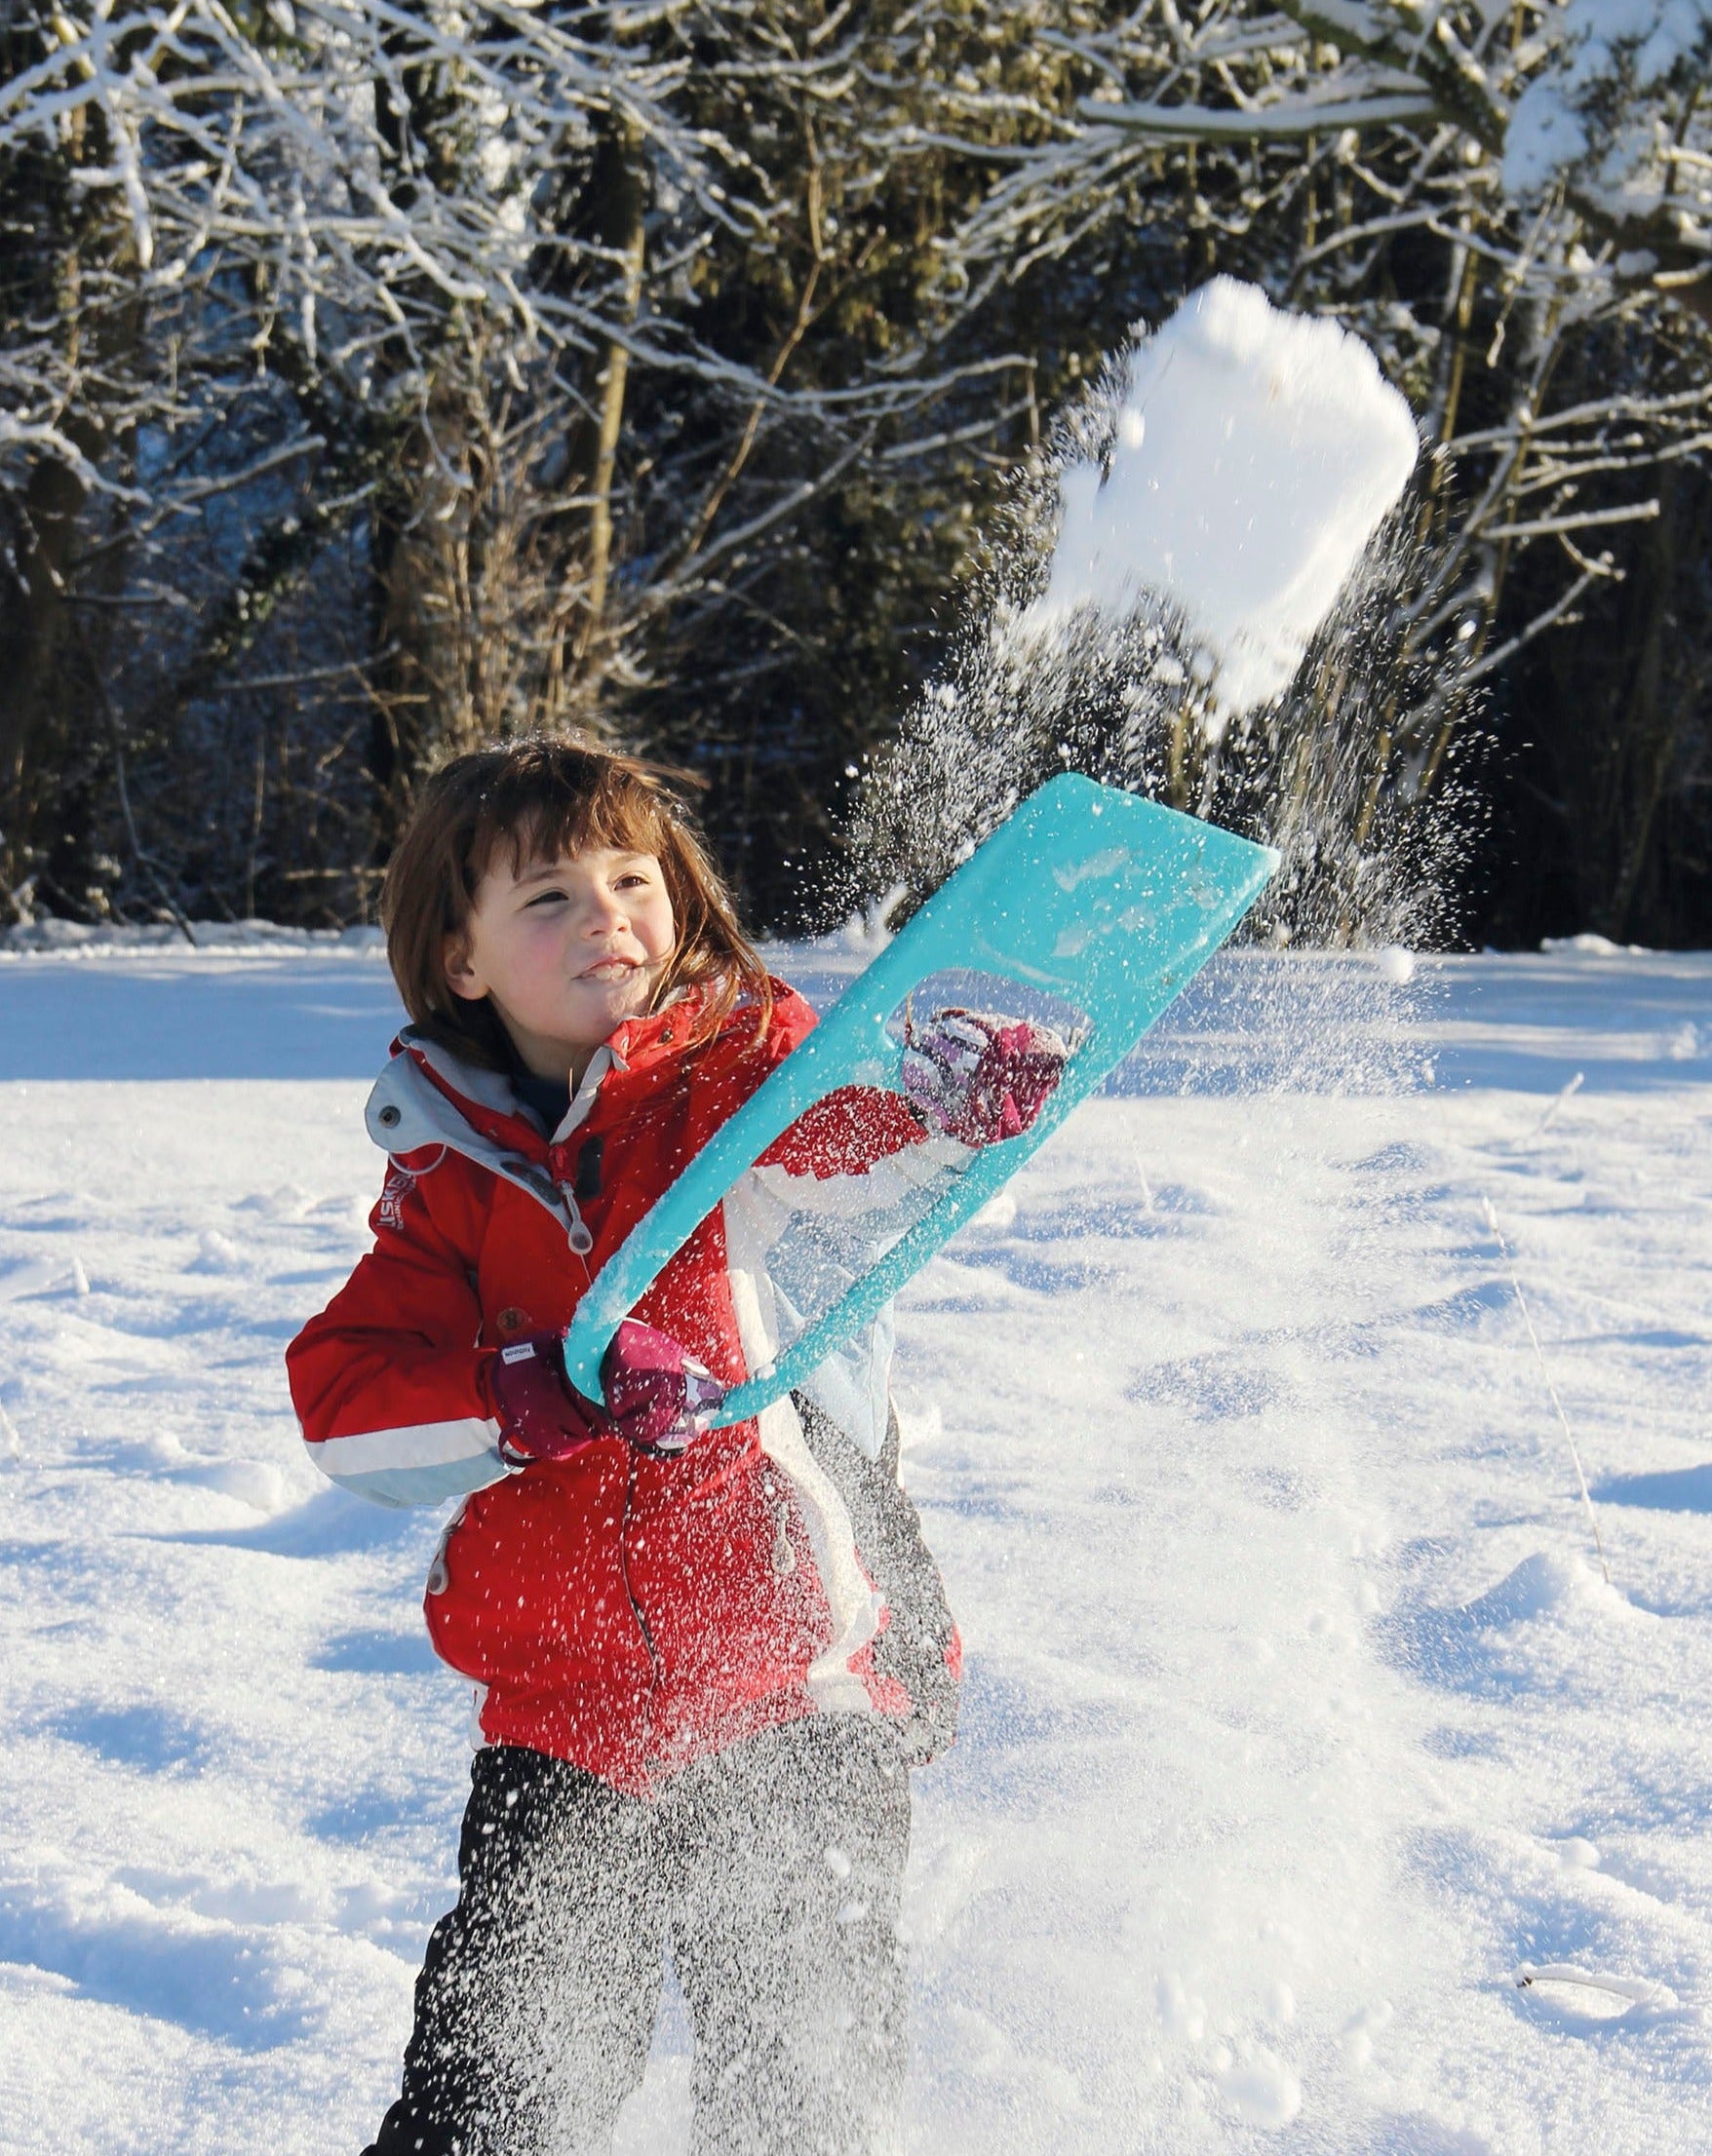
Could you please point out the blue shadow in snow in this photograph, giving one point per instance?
(331, 1524)
(378, 1652)
(137, 1015)
(1208, 1388)
(1021, 1749)
(1416, 2134)
(143, 1735)
(1547, 1916)
(1461, 1744)
(1662, 1338)
(161, 1965)
(1467, 1307)
(1473, 1649)
(1677, 1489)
(1026, 1266)
(354, 1818)
(1127, 1219)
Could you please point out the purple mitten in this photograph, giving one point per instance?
(540, 1415)
(658, 1395)
(980, 1077)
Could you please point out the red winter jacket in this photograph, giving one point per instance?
(624, 1612)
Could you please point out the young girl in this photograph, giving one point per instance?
(703, 1659)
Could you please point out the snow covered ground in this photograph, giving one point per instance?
(1299, 1717)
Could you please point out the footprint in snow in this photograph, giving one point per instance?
(1261, 2089)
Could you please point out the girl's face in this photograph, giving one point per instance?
(567, 950)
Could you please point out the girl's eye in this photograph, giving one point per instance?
(544, 897)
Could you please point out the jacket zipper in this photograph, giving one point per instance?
(635, 1608)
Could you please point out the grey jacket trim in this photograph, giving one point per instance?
(914, 1646)
(408, 1113)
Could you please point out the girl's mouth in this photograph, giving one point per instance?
(608, 969)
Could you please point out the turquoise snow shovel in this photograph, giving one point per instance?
(1088, 903)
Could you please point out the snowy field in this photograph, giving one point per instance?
(1299, 1717)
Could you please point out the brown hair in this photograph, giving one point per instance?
(541, 800)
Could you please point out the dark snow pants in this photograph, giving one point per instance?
(775, 1870)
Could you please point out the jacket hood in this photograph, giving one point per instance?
(429, 1101)
(429, 1097)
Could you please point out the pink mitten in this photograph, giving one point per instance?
(658, 1395)
(980, 1077)
(540, 1415)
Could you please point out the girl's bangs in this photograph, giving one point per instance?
(537, 823)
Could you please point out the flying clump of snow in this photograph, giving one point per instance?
(1256, 452)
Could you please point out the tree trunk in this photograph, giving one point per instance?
(44, 651)
(1651, 719)
(37, 627)
(619, 192)
(418, 118)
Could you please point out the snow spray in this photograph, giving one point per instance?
(1195, 571)
(1196, 600)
